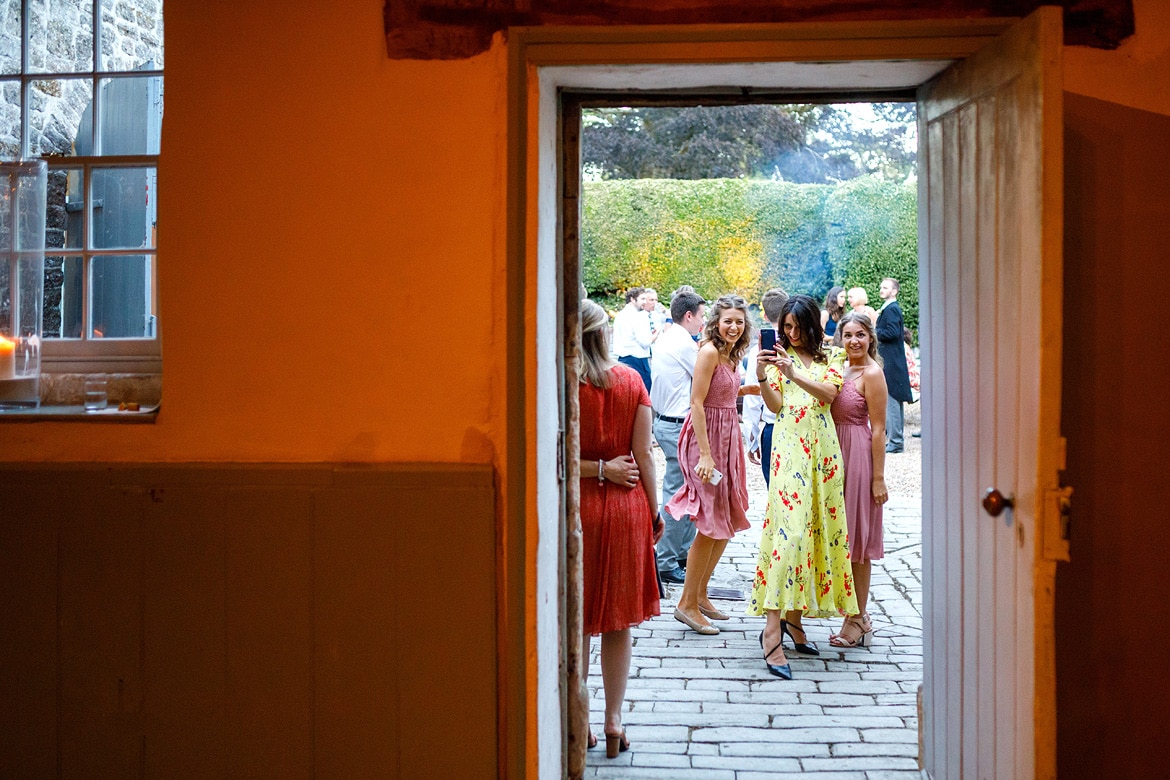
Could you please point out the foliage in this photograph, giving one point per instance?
(873, 233)
(692, 142)
(746, 236)
(843, 148)
(800, 143)
(719, 235)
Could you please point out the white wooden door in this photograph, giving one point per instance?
(990, 258)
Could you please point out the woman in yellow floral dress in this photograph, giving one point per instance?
(803, 566)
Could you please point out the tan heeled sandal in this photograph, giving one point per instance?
(864, 637)
(616, 743)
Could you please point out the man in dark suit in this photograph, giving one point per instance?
(890, 347)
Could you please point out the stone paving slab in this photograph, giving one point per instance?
(705, 707)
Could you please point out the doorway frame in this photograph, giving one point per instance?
(540, 62)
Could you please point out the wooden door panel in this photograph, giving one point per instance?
(990, 126)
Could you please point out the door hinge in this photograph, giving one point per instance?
(560, 455)
(1057, 520)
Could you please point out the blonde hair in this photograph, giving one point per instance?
(860, 292)
(595, 361)
(711, 329)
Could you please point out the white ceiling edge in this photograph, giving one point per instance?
(857, 75)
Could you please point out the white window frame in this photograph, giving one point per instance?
(84, 354)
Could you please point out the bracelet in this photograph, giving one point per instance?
(600, 471)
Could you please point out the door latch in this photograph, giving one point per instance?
(1057, 523)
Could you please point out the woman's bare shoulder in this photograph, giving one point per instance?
(874, 373)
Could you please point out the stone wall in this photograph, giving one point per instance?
(61, 40)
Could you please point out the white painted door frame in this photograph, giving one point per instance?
(813, 57)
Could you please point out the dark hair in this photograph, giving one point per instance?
(711, 329)
(633, 293)
(684, 302)
(774, 301)
(808, 322)
(834, 310)
(908, 336)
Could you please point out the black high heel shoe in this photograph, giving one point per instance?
(803, 648)
(784, 672)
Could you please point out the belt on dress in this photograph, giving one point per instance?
(664, 418)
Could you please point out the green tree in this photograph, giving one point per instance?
(810, 144)
(694, 142)
(872, 225)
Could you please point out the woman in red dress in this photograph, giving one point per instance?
(619, 513)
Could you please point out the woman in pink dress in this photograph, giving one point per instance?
(710, 452)
(619, 514)
(859, 412)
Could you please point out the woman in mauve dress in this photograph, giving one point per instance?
(710, 451)
(859, 412)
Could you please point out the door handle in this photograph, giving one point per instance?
(995, 502)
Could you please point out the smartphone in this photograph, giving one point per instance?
(768, 339)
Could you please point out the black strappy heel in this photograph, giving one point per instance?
(804, 648)
(784, 671)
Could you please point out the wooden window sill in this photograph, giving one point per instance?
(147, 414)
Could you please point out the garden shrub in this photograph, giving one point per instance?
(748, 235)
(872, 234)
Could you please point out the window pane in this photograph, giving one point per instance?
(59, 117)
(63, 226)
(25, 300)
(63, 290)
(10, 15)
(132, 35)
(122, 297)
(10, 119)
(60, 36)
(124, 208)
(5, 297)
(132, 109)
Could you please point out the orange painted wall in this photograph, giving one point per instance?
(332, 264)
(331, 243)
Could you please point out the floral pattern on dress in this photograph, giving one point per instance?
(803, 563)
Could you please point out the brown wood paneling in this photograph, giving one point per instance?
(360, 615)
(184, 632)
(28, 614)
(248, 620)
(100, 634)
(455, 29)
(445, 588)
(1112, 690)
(268, 620)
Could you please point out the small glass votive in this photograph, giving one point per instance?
(96, 397)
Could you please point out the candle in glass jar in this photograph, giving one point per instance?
(7, 359)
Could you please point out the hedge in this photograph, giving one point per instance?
(746, 236)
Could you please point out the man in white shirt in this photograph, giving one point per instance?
(758, 418)
(656, 313)
(633, 334)
(673, 367)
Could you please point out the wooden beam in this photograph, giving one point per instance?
(457, 29)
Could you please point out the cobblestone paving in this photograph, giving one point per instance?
(705, 707)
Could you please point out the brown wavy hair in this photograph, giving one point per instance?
(864, 322)
(711, 329)
(835, 311)
(808, 322)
